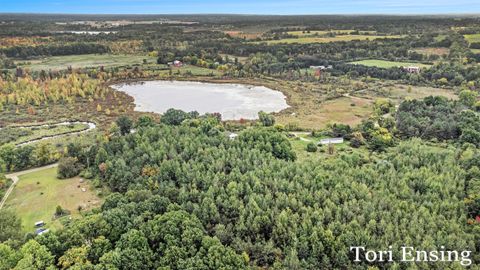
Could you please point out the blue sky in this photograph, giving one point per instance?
(242, 7)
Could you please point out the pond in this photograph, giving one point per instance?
(232, 101)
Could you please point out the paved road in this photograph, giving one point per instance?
(14, 177)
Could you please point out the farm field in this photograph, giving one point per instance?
(245, 35)
(387, 64)
(472, 38)
(305, 40)
(401, 92)
(323, 32)
(36, 196)
(432, 51)
(84, 61)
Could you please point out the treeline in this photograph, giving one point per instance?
(440, 119)
(27, 91)
(20, 158)
(26, 52)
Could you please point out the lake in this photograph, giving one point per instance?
(233, 101)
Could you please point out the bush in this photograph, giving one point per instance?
(124, 124)
(175, 117)
(68, 167)
(266, 119)
(312, 147)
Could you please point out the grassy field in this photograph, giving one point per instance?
(300, 146)
(472, 38)
(475, 50)
(432, 51)
(401, 92)
(37, 195)
(17, 135)
(387, 64)
(305, 40)
(324, 32)
(193, 70)
(346, 110)
(240, 34)
(84, 61)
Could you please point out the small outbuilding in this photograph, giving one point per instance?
(232, 136)
(412, 69)
(39, 223)
(43, 231)
(331, 141)
(177, 63)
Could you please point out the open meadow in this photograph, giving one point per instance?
(37, 195)
(312, 39)
(388, 64)
(472, 38)
(84, 61)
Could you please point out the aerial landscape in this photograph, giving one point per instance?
(222, 135)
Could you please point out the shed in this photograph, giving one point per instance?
(44, 231)
(177, 63)
(412, 69)
(232, 136)
(331, 141)
(39, 223)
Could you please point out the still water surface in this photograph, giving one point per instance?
(233, 101)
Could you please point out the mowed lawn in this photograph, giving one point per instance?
(37, 195)
(310, 39)
(84, 61)
(388, 64)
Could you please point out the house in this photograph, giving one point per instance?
(43, 231)
(39, 223)
(232, 136)
(331, 141)
(177, 63)
(412, 69)
(318, 67)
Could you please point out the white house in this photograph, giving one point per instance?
(331, 141)
(412, 69)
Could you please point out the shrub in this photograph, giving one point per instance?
(68, 167)
(312, 147)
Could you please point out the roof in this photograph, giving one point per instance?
(44, 231)
(331, 141)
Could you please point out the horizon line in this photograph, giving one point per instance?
(247, 14)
